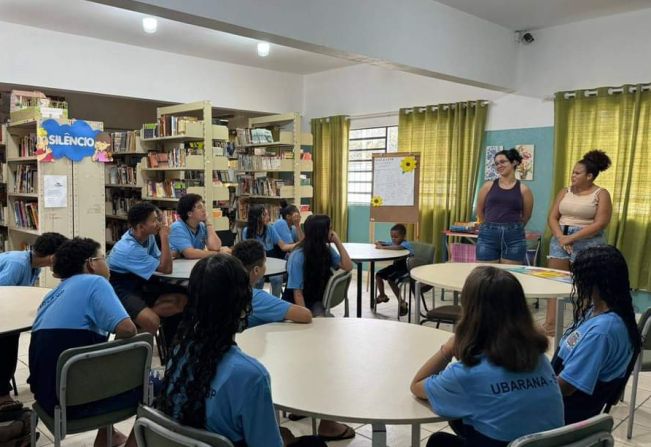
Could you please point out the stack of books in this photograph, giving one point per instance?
(26, 179)
(120, 175)
(26, 214)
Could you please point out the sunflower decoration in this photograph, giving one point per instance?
(408, 164)
(376, 201)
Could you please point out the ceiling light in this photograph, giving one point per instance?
(263, 49)
(149, 25)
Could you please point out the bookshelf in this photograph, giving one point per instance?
(184, 153)
(27, 216)
(271, 166)
(4, 243)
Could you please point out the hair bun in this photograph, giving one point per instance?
(598, 159)
(514, 155)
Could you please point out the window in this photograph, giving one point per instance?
(362, 144)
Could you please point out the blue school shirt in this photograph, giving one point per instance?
(16, 269)
(598, 350)
(266, 308)
(182, 237)
(238, 404)
(497, 403)
(295, 267)
(287, 234)
(82, 310)
(270, 239)
(130, 256)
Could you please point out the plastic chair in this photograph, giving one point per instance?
(424, 254)
(593, 432)
(336, 291)
(155, 429)
(91, 373)
(643, 363)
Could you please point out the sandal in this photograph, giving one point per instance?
(382, 299)
(348, 433)
(404, 309)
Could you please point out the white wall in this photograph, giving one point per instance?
(39, 57)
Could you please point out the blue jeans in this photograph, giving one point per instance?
(558, 252)
(501, 241)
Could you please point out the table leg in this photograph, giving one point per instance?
(379, 436)
(359, 290)
(415, 435)
(417, 303)
(372, 273)
(560, 314)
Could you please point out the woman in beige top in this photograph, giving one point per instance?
(578, 218)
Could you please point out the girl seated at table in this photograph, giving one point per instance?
(597, 354)
(503, 386)
(258, 228)
(288, 226)
(210, 383)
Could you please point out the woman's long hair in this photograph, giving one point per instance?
(603, 270)
(316, 252)
(219, 299)
(497, 323)
(256, 219)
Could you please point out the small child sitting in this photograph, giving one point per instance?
(395, 271)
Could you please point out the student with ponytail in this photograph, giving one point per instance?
(597, 354)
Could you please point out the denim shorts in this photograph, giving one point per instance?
(558, 252)
(501, 241)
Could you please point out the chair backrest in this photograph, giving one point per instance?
(336, 289)
(645, 330)
(91, 373)
(155, 429)
(593, 432)
(424, 254)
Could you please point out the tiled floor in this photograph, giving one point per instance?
(397, 436)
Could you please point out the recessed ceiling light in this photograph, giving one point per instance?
(149, 25)
(263, 49)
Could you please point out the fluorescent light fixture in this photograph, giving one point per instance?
(263, 49)
(149, 25)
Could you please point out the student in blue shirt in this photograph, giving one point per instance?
(192, 237)
(266, 307)
(21, 268)
(273, 244)
(210, 383)
(395, 271)
(134, 259)
(288, 226)
(503, 386)
(82, 310)
(597, 353)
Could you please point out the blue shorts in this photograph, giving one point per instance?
(501, 241)
(558, 252)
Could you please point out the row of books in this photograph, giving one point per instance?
(120, 175)
(123, 142)
(253, 136)
(27, 145)
(114, 230)
(168, 125)
(243, 210)
(220, 177)
(168, 216)
(260, 186)
(176, 156)
(26, 214)
(257, 162)
(119, 202)
(170, 189)
(26, 179)
(3, 215)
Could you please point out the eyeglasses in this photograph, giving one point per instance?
(97, 258)
(501, 162)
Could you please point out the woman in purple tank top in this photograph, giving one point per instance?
(504, 207)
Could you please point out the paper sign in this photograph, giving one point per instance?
(56, 191)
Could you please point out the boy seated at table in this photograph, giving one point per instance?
(81, 311)
(266, 308)
(134, 259)
(395, 271)
(192, 237)
(21, 268)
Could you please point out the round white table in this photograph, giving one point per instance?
(452, 276)
(18, 306)
(347, 369)
(181, 268)
(360, 253)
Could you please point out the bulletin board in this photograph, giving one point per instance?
(396, 185)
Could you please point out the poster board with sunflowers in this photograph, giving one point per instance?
(396, 180)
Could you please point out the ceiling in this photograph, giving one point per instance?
(120, 25)
(534, 14)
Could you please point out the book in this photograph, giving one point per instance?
(554, 275)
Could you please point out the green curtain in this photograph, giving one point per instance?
(617, 121)
(448, 138)
(330, 154)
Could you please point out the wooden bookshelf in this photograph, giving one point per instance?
(4, 174)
